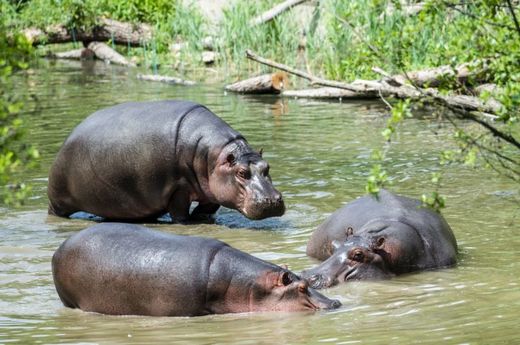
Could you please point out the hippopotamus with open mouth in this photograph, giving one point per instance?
(376, 238)
(139, 160)
(127, 269)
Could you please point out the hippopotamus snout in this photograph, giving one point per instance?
(353, 260)
(265, 202)
(318, 281)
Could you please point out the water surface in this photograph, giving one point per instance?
(319, 156)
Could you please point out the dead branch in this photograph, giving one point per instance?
(275, 11)
(313, 79)
(107, 29)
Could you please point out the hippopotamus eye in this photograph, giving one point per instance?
(358, 256)
(244, 173)
(266, 171)
(380, 242)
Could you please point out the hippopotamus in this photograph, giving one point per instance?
(140, 160)
(377, 237)
(127, 269)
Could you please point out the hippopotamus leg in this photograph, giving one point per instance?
(204, 212)
(179, 206)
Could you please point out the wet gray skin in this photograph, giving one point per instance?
(352, 260)
(377, 238)
(126, 269)
(137, 161)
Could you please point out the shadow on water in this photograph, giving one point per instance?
(225, 217)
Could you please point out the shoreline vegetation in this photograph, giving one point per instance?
(460, 57)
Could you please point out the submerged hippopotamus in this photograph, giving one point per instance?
(374, 238)
(127, 269)
(139, 160)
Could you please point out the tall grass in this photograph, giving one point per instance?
(278, 38)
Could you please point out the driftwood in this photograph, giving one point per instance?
(76, 54)
(275, 11)
(107, 54)
(165, 79)
(107, 29)
(459, 103)
(329, 93)
(433, 77)
(266, 83)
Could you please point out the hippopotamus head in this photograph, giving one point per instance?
(240, 180)
(381, 249)
(285, 291)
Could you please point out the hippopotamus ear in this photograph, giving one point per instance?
(231, 159)
(349, 231)
(261, 151)
(284, 279)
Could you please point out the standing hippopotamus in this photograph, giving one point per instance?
(140, 160)
(371, 238)
(123, 269)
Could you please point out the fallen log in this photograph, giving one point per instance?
(107, 29)
(266, 83)
(165, 79)
(275, 11)
(329, 93)
(107, 54)
(383, 88)
(76, 54)
(433, 77)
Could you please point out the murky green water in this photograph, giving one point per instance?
(319, 156)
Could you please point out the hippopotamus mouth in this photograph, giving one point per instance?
(264, 210)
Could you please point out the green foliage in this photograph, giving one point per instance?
(14, 155)
(434, 200)
(83, 14)
(278, 38)
(482, 33)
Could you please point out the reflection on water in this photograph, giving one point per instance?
(319, 154)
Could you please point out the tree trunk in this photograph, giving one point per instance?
(329, 93)
(107, 29)
(165, 79)
(104, 52)
(266, 83)
(433, 77)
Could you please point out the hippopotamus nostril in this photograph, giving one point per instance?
(335, 304)
(315, 281)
